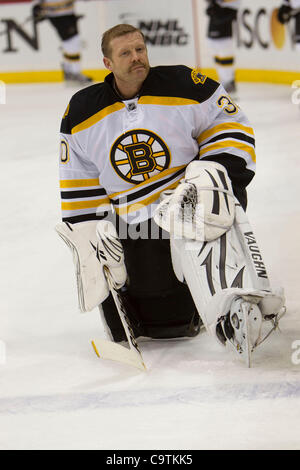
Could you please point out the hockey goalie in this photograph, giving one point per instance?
(154, 166)
(215, 257)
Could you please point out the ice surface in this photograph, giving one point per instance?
(54, 391)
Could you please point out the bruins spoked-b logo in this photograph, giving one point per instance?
(139, 154)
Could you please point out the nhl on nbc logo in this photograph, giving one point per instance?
(138, 155)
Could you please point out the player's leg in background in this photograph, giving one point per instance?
(297, 32)
(221, 42)
(67, 29)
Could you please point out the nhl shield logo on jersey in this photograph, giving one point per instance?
(138, 155)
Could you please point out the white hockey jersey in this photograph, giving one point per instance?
(120, 155)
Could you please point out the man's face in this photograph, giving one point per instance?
(129, 60)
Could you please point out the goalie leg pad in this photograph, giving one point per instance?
(222, 271)
(110, 252)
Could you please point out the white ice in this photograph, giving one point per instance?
(54, 391)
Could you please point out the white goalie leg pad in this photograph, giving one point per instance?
(81, 238)
(111, 257)
(202, 207)
(110, 252)
(224, 272)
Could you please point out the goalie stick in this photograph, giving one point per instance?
(109, 349)
(114, 351)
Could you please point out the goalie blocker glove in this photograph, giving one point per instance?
(82, 240)
(90, 255)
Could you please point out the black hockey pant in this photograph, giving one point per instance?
(158, 304)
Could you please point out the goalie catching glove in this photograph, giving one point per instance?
(90, 255)
(202, 207)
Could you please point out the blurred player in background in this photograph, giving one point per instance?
(62, 16)
(289, 9)
(222, 14)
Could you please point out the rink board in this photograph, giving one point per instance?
(265, 50)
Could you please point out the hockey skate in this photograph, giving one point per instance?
(230, 87)
(75, 79)
(242, 326)
(232, 90)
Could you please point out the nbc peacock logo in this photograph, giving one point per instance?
(278, 30)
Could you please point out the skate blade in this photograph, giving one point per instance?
(250, 333)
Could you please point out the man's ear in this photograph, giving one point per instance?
(107, 63)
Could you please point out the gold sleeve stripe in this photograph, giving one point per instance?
(166, 101)
(75, 205)
(228, 143)
(157, 177)
(136, 206)
(97, 117)
(79, 183)
(226, 126)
